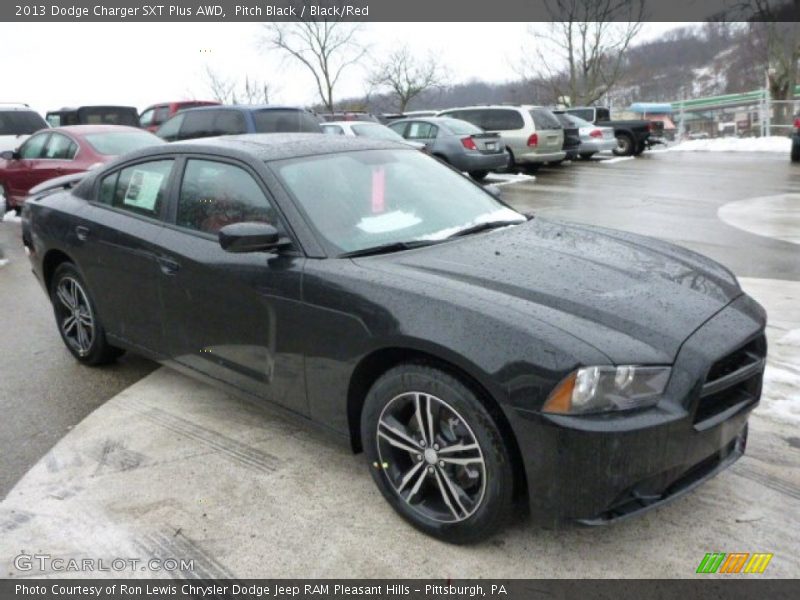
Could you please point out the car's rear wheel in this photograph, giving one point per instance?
(436, 454)
(478, 175)
(587, 155)
(624, 145)
(76, 317)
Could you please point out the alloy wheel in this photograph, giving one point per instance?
(431, 457)
(75, 317)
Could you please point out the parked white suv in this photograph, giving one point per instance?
(17, 122)
(532, 134)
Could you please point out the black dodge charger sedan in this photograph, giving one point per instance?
(484, 361)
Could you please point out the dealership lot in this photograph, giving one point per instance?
(171, 468)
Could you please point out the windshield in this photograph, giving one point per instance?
(376, 132)
(119, 142)
(368, 198)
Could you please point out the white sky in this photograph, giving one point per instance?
(50, 65)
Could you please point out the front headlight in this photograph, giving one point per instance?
(603, 389)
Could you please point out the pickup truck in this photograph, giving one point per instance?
(633, 137)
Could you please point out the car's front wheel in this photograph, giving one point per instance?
(436, 454)
(478, 175)
(76, 317)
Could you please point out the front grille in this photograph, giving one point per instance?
(734, 381)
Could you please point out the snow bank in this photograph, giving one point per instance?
(11, 217)
(781, 145)
(3, 262)
(781, 394)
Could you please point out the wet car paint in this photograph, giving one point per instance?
(514, 311)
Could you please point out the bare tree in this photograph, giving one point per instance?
(406, 77)
(325, 48)
(582, 54)
(230, 91)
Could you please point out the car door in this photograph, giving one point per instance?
(20, 173)
(422, 132)
(58, 158)
(116, 248)
(233, 317)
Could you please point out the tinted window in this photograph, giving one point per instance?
(215, 194)
(119, 142)
(544, 119)
(603, 114)
(139, 189)
(491, 119)
(160, 115)
(96, 115)
(279, 120)
(60, 147)
(418, 130)
(586, 114)
(20, 122)
(34, 146)
(169, 130)
(207, 123)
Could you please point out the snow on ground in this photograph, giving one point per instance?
(506, 178)
(11, 217)
(3, 262)
(780, 399)
(778, 144)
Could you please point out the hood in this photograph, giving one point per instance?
(622, 293)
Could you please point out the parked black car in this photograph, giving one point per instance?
(211, 121)
(633, 136)
(477, 356)
(94, 115)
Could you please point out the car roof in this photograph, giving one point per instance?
(15, 106)
(348, 123)
(275, 146)
(244, 107)
(75, 108)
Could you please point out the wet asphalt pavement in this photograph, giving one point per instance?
(674, 196)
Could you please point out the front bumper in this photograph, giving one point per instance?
(600, 469)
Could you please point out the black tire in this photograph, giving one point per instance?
(625, 145)
(427, 477)
(640, 148)
(530, 168)
(68, 289)
(478, 175)
(587, 155)
(795, 154)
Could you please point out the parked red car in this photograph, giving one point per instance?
(62, 151)
(153, 116)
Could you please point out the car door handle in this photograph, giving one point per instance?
(82, 233)
(168, 266)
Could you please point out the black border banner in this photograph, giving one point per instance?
(387, 10)
(729, 588)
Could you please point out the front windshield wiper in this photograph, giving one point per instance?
(483, 227)
(390, 247)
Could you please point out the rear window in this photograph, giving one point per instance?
(587, 114)
(544, 119)
(20, 122)
(120, 142)
(376, 132)
(109, 116)
(208, 123)
(459, 127)
(280, 121)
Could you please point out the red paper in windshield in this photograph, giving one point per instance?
(378, 190)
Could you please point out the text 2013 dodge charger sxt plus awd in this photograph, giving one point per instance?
(477, 356)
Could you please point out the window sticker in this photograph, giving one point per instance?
(143, 190)
(391, 221)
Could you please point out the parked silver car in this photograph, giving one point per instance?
(594, 138)
(532, 134)
(458, 143)
(367, 129)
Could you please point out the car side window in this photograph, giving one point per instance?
(215, 194)
(160, 115)
(146, 118)
(400, 128)
(34, 146)
(332, 130)
(421, 131)
(501, 120)
(170, 130)
(60, 147)
(140, 188)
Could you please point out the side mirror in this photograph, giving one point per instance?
(494, 190)
(250, 237)
(9, 155)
